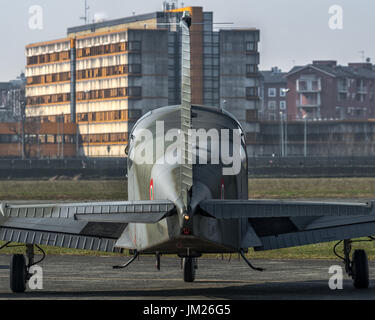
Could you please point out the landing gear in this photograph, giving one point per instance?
(360, 272)
(18, 273)
(19, 269)
(189, 265)
(157, 262)
(357, 267)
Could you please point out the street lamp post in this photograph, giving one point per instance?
(305, 138)
(62, 135)
(23, 119)
(88, 123)
(88, 132)
(23, 136)
(281, 134)
(285, 116)
(286, 135)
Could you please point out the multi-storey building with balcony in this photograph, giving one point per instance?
(325, 90)
(105, 75)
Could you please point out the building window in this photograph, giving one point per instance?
(283, 92)
(272, 117)
(251, 46)
(134, 114)
(134, 91)
(308, 100)
(308, 84)
(282, 105)
(272, 92)
(251, 115)
(342, 85)
(50, 138)
(251, 92)
(342, 96)
(134, 68)
(360, 97)
(105, 138)
(272, 104)
(251, 69)
(134, 45)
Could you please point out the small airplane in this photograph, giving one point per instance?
(186, 208)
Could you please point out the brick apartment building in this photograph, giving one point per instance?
(325, 90)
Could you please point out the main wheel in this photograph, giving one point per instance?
(360, 272)
(189, 269)
(18, 273)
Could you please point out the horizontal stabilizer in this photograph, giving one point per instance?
(236, 209)
(121, 211)
(57, 239)
(87, 225)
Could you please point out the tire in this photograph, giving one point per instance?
(360, 273)
(189, 270)
(18, 273)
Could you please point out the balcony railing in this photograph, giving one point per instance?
(309, 105)
(362, 90)
(342, 89)
(309, 86)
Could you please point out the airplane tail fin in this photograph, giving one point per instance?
(186, 169)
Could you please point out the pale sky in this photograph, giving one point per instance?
(292, 32)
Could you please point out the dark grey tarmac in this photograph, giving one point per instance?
(90, 277)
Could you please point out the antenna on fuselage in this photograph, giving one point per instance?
(186, 168)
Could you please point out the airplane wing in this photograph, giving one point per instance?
(87, 225)
(274, 224)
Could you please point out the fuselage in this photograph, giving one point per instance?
(154, 173)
